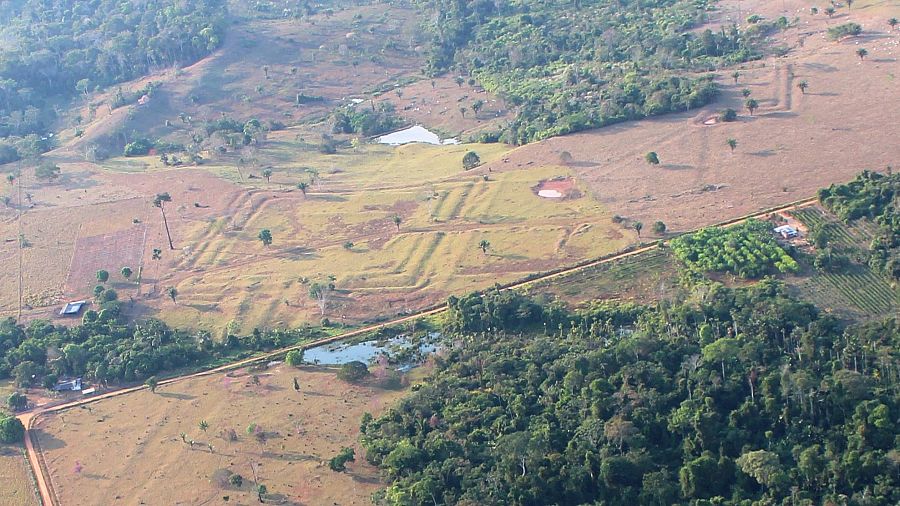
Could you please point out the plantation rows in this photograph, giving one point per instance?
(863, 289)
(857, 235)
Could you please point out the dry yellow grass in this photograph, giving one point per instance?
(129, 449)
(18, 485)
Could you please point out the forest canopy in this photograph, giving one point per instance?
(53, 51)
(748, 397)
(569, 66)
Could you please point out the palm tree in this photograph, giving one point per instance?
(397, 220)
(484, 245)
(462, 110)
(303, 186)
(746, 92)
(861, 52)
(159, 201)
(172, 292)
(752, 105)
(803, 85)
(267, 173)
(732, 143)
(735, 76)
(637, 226)
(203, 425)
(892, 23)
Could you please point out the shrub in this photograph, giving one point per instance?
(294, 358)
(353, 371)
(471, 160)
(138, 147)
(845, 30)
(728, 115)
(11, 430)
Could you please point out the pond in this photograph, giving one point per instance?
(414, 134)
(366, 352)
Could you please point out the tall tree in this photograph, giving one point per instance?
(732, 143)
(160, 201)
(803, 85)
(862, 53)
(303, 186)
(484, 245)
(397, 220)
(172, 292)
(637, 226)
(265, 236)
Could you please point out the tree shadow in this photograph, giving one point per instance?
(328, 197)
(677, 166)
(176, 395)
(47, 441)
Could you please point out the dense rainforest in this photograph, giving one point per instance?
(733, 397)
(569, 66)
(55, 50)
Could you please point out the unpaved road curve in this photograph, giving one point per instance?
(42, 475)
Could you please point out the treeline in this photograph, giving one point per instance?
(743, 397)
(872, 196)
(589, 63)
(55, 50)
(104, 349)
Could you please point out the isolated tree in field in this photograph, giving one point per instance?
(803, 85)
(157, 254)
(266, 70)
(746, 92)
(296, 385)
(659, 228)
(10, 178)
(829, 11)
(203, 425)
(152, 383)
(348, 245)
(893, 23)
(849, 4)
(267, 173)
(236, 480)
(862, 52)
(265, 236)
(462, 110)
(397, 221)
(471, 160)
(303, 186)
(728, 115)
(172, 292)
(127, 272)
(735, 75)
(477, 105)
(321, 293)
(160, 202)
(102, 276)
(751, 105)
(459, 81)
(732, 143)
(652, 158)
(294, 358)
(47, 170)
(261, 491)
(637, 226)
(484, 245)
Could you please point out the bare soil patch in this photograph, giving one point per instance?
(106, 251)
(557, 189)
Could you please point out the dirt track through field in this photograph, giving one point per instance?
(29, 419)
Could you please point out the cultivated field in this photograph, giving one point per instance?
(129, 449)
(18, 485)
(855, 292)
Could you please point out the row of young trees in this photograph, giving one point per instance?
(585, 64)
(744, 397)
(872, 196)
(54, 51)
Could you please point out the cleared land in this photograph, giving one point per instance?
(795, 143)
(130, 448)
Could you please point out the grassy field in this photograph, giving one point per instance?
(344, 227)
(857, 291)
(641, 278)
(131, 447)
(18, 484)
